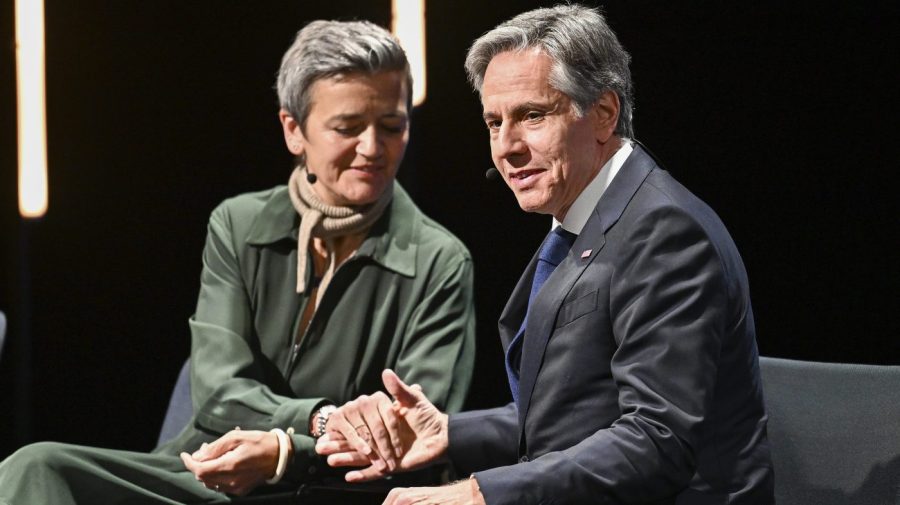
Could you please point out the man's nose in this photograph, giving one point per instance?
(509, 142)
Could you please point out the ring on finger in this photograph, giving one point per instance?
(363, 433)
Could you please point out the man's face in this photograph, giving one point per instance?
(546, 154)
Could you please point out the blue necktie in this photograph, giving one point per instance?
(552, 253)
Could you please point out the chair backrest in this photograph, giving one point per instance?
(180, 409)
(2, 331)
(834, 430)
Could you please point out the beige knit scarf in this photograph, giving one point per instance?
(318, 219)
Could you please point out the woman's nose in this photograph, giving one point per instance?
(369, 145)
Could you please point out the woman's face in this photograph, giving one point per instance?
(354, 137)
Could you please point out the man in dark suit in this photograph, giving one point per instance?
(630, 340)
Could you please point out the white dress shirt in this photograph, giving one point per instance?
(586, 202)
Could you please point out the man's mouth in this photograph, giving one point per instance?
(522, 177)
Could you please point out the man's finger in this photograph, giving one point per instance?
(405, 395)
(345, 459)
(332, 436)
(364, 475)
(332, 446)
(393, 495)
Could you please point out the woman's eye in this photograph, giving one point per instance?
(393, 128)
(347, 130)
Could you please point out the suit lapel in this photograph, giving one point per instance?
(516, 306)
(546, 305)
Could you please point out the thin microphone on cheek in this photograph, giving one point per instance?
(492, 174)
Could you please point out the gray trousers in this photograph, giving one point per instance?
(50, 473)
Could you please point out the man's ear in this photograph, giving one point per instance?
(293, 133)
(605, 116)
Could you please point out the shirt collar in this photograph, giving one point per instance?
(389, 242)
(276, 221)
(586, 202)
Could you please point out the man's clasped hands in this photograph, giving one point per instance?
(381, 436)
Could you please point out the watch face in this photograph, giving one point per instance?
(322, 419)
(321, 422)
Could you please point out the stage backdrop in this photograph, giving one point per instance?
(783, 118)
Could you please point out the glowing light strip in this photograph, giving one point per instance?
(32, 112)
(408, 25)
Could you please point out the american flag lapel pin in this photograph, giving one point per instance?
(586, 253)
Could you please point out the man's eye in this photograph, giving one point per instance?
(534, 116)
(493, 124)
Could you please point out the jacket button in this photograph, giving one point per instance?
(523, 459)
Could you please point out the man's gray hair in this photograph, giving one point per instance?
(324, 49)
(587, 56)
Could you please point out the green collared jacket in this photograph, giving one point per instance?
(403, 301)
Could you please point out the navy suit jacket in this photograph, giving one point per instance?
(639, 376)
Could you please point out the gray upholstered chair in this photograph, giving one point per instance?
(180, 410)
(834, 429)
(2, 331)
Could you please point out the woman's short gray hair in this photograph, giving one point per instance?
(324, 49)
(587, 57)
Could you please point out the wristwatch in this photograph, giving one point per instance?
(322, 419)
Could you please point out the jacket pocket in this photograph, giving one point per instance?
(576, 308)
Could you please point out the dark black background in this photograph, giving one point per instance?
(782, 117)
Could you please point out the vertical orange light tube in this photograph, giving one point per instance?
(32, 110)
(408, 25)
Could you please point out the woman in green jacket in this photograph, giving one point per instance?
(308, 292)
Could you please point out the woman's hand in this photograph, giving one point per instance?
(237, 462)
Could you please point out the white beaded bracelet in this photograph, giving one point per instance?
(283, 444)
